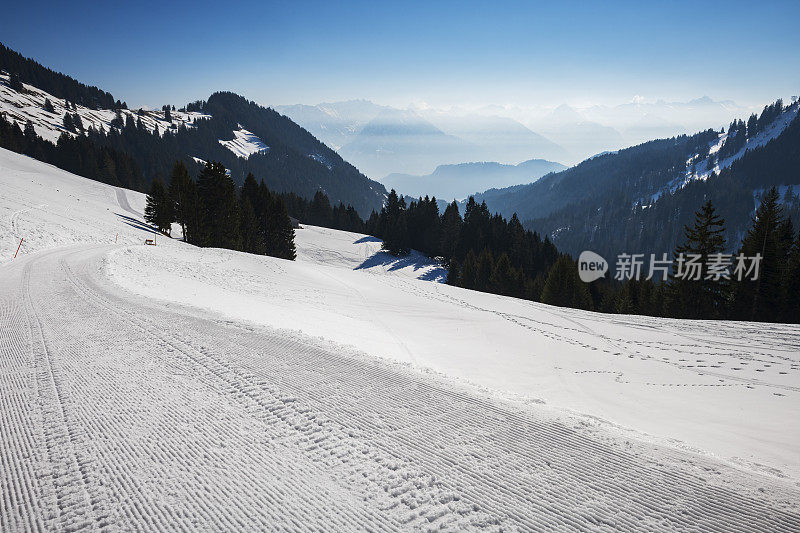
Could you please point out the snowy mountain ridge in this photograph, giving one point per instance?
(702, 167)
(29, 105)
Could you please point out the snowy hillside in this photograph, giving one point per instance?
(164, 387)
(244, 144)
(30, 105)
(701, 168)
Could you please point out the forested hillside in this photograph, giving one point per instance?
(99, 132)
(613, 221)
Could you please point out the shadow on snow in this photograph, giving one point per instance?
(415, 260)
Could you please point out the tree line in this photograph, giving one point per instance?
(488, 253)
(771, 297)
(482, 251)
(76, 154)
(212, 213)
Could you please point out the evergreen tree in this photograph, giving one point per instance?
(30, 132)
(450, 231)
(220, 218)
(504, 278)
(158, 208)
(182, 195)
(67, 122)
(484, 271)
(15, 82)
(791, 285)
(703, 297)
(453, 273)
(469, 273)
(279, 230)
(564, 287)
(77, 122)
(252, 238)
(769, 236)
(48, 106)
(395, 237)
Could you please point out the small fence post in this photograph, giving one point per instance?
(18, 247)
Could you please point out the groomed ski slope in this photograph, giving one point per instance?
(123, 411)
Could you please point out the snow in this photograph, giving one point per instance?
(29, 105)
(244, 144)
(159, 387)
(703, 169)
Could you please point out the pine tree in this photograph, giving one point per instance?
(181, 196)
(15, 82)
(68, 124)
(504, 277)
(77, 122)
(469, 273)
(450, 231)
(563, 286)
(158, 208)
(395, 238)
(48, 106)
(30, 132)
(453, 273)
(769, 236)
(220, 217)
(484, 271)
(700, 298)
(791, 285)
(252, 237)
(279, 230)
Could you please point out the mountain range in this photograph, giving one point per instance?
(449, 182)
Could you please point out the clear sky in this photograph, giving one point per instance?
(441, 53)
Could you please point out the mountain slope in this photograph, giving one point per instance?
(242, 135)
(638, 200)
(449, 182)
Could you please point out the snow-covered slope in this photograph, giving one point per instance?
(30, 105)
(153, 387)
(244, 144)
(698, 168)
(48, 207)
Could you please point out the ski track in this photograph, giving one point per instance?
(123, 413)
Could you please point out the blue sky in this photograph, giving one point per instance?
(442, 53)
